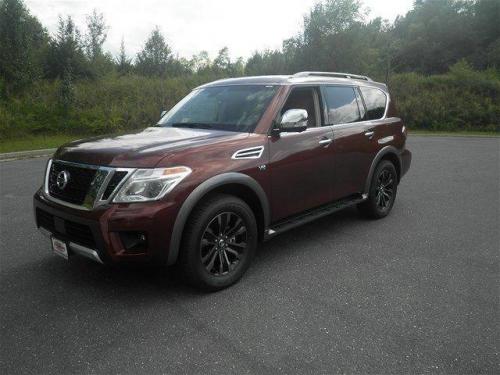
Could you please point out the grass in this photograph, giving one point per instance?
(36, 142)
(53, 141)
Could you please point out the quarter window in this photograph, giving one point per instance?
(375, 101)
(342, 104)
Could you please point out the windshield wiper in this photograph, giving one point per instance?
(196, 125)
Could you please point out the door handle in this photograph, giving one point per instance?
(325, 141)
(370, 133)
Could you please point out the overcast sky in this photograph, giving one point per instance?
(191, 26)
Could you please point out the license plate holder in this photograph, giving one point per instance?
(59, 247)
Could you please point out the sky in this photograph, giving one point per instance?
(191, 26)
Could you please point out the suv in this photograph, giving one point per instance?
(235, 162)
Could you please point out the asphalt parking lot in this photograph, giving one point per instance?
(417, 292)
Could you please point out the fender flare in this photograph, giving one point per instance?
(383, 152)
(199, 192)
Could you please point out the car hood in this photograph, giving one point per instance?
(141, 149)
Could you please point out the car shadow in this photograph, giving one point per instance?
(300, 238)
(79, 276)
(83, 298)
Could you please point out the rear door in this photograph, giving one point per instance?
(354, 144)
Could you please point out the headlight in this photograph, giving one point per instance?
(150, 184)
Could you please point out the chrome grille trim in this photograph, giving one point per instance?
(97, 187)
(249, 153)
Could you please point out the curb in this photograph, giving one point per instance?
(492, 136)
(26, 154)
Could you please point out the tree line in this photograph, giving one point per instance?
(29, 53)
(439, 48)
(431, 37)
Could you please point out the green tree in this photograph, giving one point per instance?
(96, 35)
(66, 57)
(222, 63)
(23, 44)
(155, 57)
(486, 32)
(331, 17)
(100, 62)
(179, 66)
(201, 62)
(123, 62)
(223, 66)
(335, 38)
(237, 68)
(433, 35)
(267, 62)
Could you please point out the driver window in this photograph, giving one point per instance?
(304, 98)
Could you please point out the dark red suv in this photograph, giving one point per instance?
(235, 162)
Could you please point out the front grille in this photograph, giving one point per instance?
(78, 184)
(74, 232)
(113, 183)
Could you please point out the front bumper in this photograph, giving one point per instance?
(98, 234)
(76, 248)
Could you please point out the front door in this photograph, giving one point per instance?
(300, 164)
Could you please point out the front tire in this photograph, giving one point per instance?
(218, 243)
(382, 194)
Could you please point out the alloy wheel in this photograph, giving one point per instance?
(223, 244)
(385, 189)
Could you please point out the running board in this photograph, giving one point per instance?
(311, 215)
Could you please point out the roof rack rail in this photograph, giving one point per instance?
(332, 74)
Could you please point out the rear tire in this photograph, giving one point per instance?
(219, 242)
(382, 194)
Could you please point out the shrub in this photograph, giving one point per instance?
(462, 99)
(111, 104)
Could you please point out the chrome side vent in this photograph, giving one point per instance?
(249, 153)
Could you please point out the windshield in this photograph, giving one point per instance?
(232, 108)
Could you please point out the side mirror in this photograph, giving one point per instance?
(294, 120)
(163, 113)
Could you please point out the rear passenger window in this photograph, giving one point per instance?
(342, 104)
(375, 101)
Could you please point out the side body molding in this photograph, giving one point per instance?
(383, 152)
(200, 191)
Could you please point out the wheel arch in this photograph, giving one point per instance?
(390, 153)
(233, 183)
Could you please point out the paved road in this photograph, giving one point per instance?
(415, 292)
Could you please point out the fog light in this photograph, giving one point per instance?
(134, 242)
